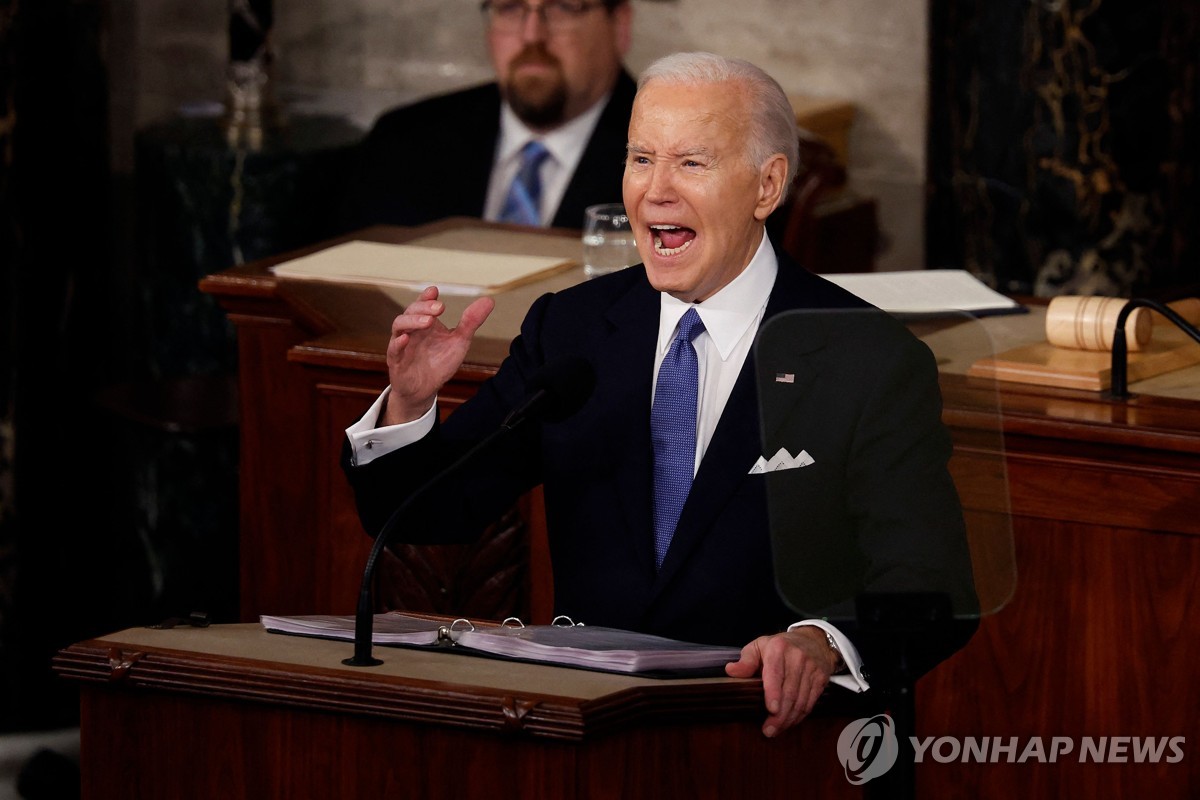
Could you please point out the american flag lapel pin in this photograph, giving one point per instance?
(785, 377)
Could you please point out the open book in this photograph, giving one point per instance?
(570, 645)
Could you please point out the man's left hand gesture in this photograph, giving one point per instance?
(795, 668)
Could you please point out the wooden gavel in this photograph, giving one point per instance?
(1089, 323)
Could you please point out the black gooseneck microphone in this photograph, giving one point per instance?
(1120, 365)
(556, 392)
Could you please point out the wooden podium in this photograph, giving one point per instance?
(231, 711)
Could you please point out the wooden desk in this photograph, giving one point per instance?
(1103, 496)
(1100, 639)
(234, 712)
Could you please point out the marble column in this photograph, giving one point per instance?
(251, 110)
(1063, 144)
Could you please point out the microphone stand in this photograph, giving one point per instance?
(557, 391)
(364, 619)
(1120, 368)
(364, 615)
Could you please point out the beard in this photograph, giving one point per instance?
(540, 101)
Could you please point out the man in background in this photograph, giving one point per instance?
(536, 147)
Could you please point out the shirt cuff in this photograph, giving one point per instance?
(853, 679)
(368, 442)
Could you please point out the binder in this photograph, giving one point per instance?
(563, 643)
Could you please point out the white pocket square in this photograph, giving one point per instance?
(781, 460)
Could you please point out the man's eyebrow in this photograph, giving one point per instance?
(699, 150)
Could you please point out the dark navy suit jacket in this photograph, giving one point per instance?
(433, 159)
(875, 511)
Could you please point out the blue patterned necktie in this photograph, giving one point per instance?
(524, 201)
(673, 431)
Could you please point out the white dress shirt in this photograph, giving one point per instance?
(731, 319)
(565, 143)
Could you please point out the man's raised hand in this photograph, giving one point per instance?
(423, 354)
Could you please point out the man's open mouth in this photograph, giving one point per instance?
(670, 240)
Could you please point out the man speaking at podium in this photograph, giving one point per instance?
(657, 515)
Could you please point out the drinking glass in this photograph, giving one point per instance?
(608, 243)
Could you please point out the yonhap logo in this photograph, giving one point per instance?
(868, 748)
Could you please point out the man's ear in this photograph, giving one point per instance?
(772, 187)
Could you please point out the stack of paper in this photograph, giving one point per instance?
(388, 628)
(925, 291)
(415, 267)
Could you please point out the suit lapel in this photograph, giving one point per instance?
(484, 131)
(785, 367)
(737, 440)
(730, 454)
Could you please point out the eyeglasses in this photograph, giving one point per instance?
(508, 16)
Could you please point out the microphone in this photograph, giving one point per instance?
(1119, 364)
(556, 391)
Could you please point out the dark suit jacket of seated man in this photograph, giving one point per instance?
(433, 159)
(558, 69)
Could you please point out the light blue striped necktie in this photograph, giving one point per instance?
(523, 203)
(673, 431)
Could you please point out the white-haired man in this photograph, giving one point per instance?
(664, 532)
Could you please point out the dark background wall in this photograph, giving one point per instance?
(118, 405)
(69, 569)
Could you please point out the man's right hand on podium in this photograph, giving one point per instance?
(423, 354)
